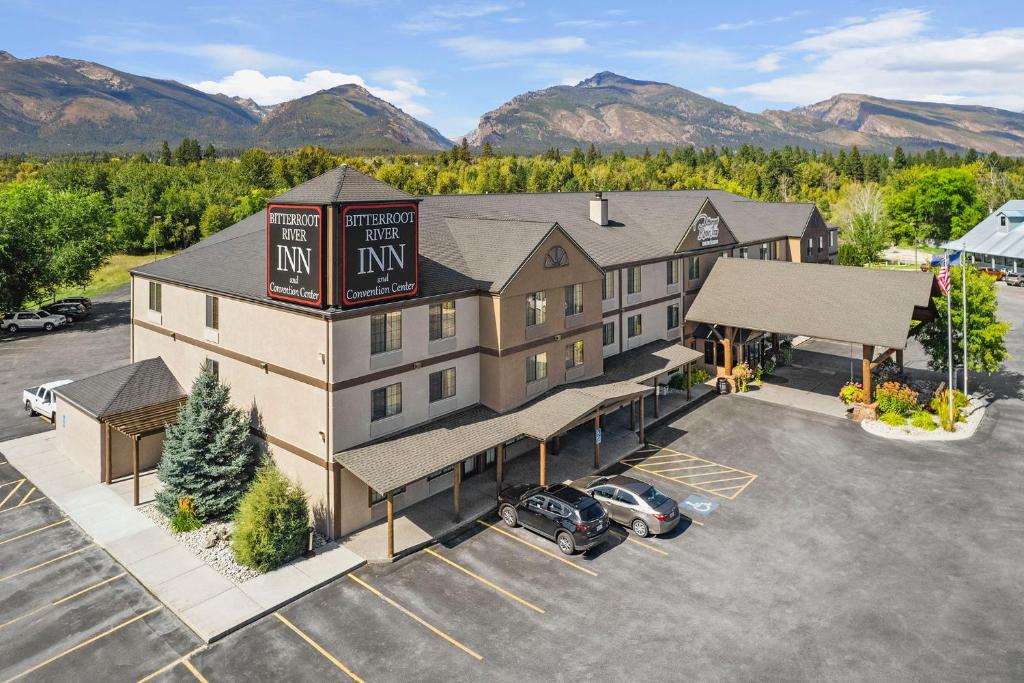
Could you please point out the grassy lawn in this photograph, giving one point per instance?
(109, 277)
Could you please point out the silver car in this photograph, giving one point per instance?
(632, 503)
(32, 320)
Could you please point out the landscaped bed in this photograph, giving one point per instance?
(972, 416)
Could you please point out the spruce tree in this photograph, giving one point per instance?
(207, 455)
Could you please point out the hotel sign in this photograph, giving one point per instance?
(379, 252)
(706, 228)
(295, 254)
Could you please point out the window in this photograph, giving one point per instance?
(386, 401)
(212, 312)
(156, 299)
(673, 316)
(213, 367)
(633, 283)
(608, 285)
(1002, 221)
(385, 332)
(831, 238)
(536, 308)
(821, 243)
(693, 268)
(442, 384)
(672, 272)
(536, 367)
(743, 252)
(442, 320)
(810, 245)
(574, 354)
(573, 300)
(608, 333)
(635, 326)
(625, 497)
(380, 497)
(765, 251)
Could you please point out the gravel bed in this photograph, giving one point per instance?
(219, 555)
(964, 430)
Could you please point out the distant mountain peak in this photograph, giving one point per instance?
(7, 56)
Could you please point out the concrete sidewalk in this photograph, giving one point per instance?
(204, 599)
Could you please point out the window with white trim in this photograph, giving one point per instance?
(212, 312)
(156, 299)
(693, 268)
(442, 320)
(608, 286)
(672, 320)
(672, 272)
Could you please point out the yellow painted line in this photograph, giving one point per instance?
(670, 469)
(30, 492)
(168, 667)
(11, 493)
(92, 640)
(35, 531)
(11, 509)
(43, 564)
(728, 488)
(538, 548)
(415, 617)
(720, 481)
(195, 672)
(316, 646)
(12, 481)
(703, 474)
(484, 581)
(61, 601)
(3, 462)
(645, 546)
(693, 521)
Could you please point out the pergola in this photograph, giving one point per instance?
(135, 424)
(874, 309)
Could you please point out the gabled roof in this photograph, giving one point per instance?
(145, 383)
(841, 303)
(989, 237)
(342, 184)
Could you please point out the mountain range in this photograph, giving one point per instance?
(54, 104)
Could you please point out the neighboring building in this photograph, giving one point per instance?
(350, 312)
(997, 242)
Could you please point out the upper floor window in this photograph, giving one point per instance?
(386, 401)
(574, 354)
(536, 367)
(693, 268)
(442, 320)
(385, 332)
(573, 300)
(672, 272)
(442, 384)
(556, 257)
(212, 312)
(608, 333)
(673, 316)
(633, 284)
(635, 326)
(608, 285)
(156, 299)
(536, 308)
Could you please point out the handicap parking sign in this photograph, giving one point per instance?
(696, 506)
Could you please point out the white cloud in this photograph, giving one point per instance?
(683, 54)
(477, 47)
(400, 88)
(768, 63)
(220, 55)
(893, 55)
(449, 17)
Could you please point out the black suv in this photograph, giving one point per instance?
(68, 310)
(569, 517)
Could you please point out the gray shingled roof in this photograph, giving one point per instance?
(342, 184)
(138, 385)
(648, 361)
(841, 303)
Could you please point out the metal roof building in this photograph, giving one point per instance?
(998, 240)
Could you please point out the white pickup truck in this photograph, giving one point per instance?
(40, 400)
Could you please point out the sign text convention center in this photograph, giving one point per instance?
(389, 346)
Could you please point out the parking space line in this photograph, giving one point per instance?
(195, 672)
(11, 493)
(15, 507)
(415, 617)
(316, 646)
(704, 474)
(35, 531)
(86, 643)
(625, 536)
(66, 598)
(43, 564)
(538, 548)
(720, 481)
(484, 581)
(12, 481)
(168, 667)
(26, 497)
(670, 469)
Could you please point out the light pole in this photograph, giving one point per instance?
(917, 262)
(156, 233)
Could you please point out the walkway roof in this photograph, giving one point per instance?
(841, 303)
(140, 385)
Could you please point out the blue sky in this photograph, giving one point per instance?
(448, 63)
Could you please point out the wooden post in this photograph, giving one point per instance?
(597, 445)
(456, 485)
(899, 358)
(135, 468)
(391, 525)
(500, 462)
(686, 369)
(655, 398)
(869, 351)
(107, 457)
(632, 415)
(727, 352)
(641, 419)
(543, 462)
(336, 527)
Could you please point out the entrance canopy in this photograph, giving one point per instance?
(841, 303)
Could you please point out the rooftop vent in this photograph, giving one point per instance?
(599, 209)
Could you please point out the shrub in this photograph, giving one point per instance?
(699, 376)
(272, 522)
(742, 374)
(185, 518)
(852, 392)
(894, 419)
(897, 398)
(922, 419)
(677, 380)
(940, 406)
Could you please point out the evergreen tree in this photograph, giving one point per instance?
(210, 153)
(165, 153)
(487, 152)
(464, 154)
(899, 159)
(207, 455)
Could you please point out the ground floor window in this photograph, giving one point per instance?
(442, 384)
(381, 497)
(386, 401)
(608, 333)
(536, 367)
(635, 326)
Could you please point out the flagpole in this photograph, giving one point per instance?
(963, 272)
(949, 336)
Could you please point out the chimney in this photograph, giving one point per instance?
(599, 209)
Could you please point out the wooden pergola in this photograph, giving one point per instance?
(136, 424)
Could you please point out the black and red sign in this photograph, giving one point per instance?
(379, 252)
(295, 253)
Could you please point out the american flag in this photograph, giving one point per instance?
(944, 277)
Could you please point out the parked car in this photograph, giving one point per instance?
(571, 518)
(84, 300)
(632, 503)
(1014, 279)
(40, 400)
(32, 320)
(68, 309)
